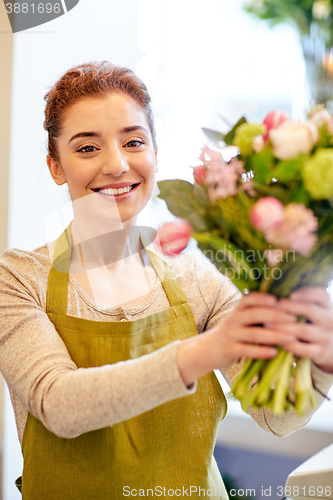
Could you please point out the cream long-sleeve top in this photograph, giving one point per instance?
(43, 380)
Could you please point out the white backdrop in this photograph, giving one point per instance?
(197, 58)
(91, 31)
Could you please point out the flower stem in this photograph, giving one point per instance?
(281, 391)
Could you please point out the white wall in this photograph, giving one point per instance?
(197, 58)
(91, 31)
(208, 57)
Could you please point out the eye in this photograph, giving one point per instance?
(87, 149)
(134, 143)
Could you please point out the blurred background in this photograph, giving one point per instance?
(201, 61)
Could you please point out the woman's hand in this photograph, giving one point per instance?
(312, 340)
(239, 334)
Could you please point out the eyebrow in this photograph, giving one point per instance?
(84, 134)
(125, 130)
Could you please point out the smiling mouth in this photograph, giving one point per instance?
(116, 192)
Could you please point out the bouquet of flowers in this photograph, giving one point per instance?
(265, 219)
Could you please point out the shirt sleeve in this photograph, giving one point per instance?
(290, 421)
(38, 368)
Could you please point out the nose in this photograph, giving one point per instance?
(115, 162)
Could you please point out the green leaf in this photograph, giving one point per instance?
(260, 164)
(223, 266)
(231, 253)
(299, 271)
(325, 226)
(275, 190)
(288, 170)
(180, 197)
(213, 135)
(229, 137)
(297, 12)
(201, 194)
(300, 195)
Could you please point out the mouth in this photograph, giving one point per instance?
(115, 192)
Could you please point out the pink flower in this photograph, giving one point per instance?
(222, 180)
(296, 231)
(237, 165)
(266, 212)
(174, 236)
(199, 174)
(273, 120)
(322, 117)
(211, 158)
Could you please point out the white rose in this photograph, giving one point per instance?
(322, 117)
(291, 139)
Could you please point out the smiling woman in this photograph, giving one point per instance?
(119, 148)
(99, 343)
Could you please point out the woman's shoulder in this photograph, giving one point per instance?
(194, 265)
(201, 281)
(26, 268)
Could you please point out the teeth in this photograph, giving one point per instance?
(115, 192)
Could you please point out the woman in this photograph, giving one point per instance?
(113, 390)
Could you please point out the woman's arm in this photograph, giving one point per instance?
(37, 366)
(237, 336)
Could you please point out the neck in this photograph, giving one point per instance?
(102, 241)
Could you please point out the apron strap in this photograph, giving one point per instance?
(57, 287)
(171, 285)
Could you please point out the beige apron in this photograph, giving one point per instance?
(168, 447)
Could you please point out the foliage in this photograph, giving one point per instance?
(301, 13)
(265, 219)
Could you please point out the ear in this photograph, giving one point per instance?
(56, 171)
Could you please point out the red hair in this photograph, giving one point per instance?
(92, 79)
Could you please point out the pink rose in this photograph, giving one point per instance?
(291, 139)
(266, 212)
(296, 231)
(273, 120)
(199, 174)
(174, 236)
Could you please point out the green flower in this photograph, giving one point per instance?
(244, 136)
(317, 173)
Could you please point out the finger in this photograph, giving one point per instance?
(257, 298)
(255, 351)
(316, 314)
(307, 350)
(266, 336)
(261, 315)
(318, 295)
(304, 332)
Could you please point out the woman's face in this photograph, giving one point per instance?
(106, 150)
